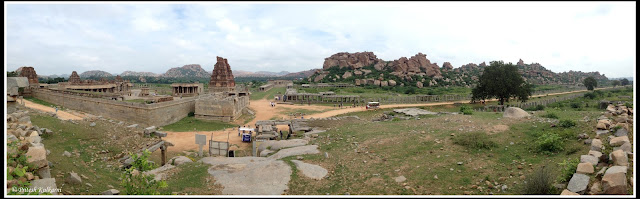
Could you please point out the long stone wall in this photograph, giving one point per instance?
(211, 107)
(145, 114)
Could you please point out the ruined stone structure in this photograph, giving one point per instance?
(265, 87)
(187, 89)
(29, 73)
(279, 83)
(144, 91)
(222, 77)
(222, 106)
(103, 86)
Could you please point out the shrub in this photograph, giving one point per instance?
(567, 169)
(549, 142)
(551, 115)
(466, 110)
(628, 105)
(540, 182)
(475, 140)
(135, 182)
(538, 107)
(589, 95)
(567, 123)
(576, 105)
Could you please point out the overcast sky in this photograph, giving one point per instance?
(562, 36)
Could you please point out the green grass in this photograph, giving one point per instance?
(39, 101)
(69, 137)
(257, 95)
(399, 145)
(191, 123)
(191, 178)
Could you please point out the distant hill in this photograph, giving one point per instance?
(619, 78)
(95, 73)
(241, 73)
(191, 70)
(301, 74)
(133, 73)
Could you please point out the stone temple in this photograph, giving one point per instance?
(222, 77)
(226, 101)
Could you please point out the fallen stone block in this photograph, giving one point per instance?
(45, 185)
(578, 183)
(585, 168)
(589, 159)
(37, 156)
(619, 158)
(618, 141)
(614, 184)
(111, 192)
(73, 178)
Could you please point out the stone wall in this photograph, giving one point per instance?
(145, 114)
(223, 108)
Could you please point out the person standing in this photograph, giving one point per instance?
(281, 134)
(56, 110)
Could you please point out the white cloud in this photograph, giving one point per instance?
(561, 36)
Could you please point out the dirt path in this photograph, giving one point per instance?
(63, 115)
(264, 111)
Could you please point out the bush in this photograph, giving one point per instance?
(539, 182)
(475, 140)
(589, 95)
(466, 110)
(568, 168)
(551, 115)
(576, 105)
(567, 123)
(538, 107)
(135, 182)
(628, 105)
(549, 142)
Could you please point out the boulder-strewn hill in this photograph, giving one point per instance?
(95, 73)
(364, 68)
(191, 70)
(133, 73)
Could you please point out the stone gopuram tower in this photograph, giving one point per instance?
(74, 78)
(222, 77)
(30, 73)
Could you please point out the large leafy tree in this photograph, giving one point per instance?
(615, 83)
(624, 82)
(590, 83)
(501, 81)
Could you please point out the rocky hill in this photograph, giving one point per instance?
(191, 70)
(95, 73)
(241, 73)
(133, 73)
(301, 74)
(364, 68)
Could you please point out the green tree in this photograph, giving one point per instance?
(12, 74)
(590, 83)
(502, 81)
(615, 83)
(624, 82)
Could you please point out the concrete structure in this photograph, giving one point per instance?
(222, 106)
(221, 77)
(187, 89)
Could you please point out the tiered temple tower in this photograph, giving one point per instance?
(222, 77)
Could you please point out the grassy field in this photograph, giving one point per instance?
(88, 142)
(192, 179)
(257, 95)
(190, 123)
(366, 156)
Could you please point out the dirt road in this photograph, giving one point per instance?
(63, 115)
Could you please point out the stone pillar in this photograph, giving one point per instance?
(163, 150)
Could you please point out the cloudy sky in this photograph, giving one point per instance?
(60, 38)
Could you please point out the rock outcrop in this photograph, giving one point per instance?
(351, 60)
(191, 70)
(515, 112)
